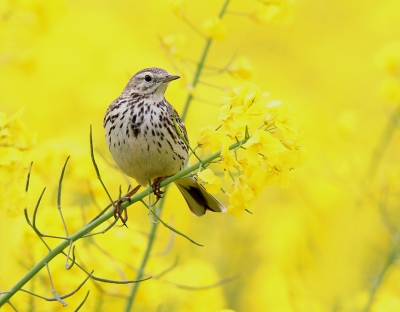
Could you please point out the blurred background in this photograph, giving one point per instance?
(329, 242)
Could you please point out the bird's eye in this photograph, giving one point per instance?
(147, 78)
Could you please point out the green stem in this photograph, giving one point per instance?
(201, 65)
(196, 78)
(223, 9)
(389, 262)
(53, 253)
(140, 272)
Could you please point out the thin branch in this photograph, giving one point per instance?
(28, 177)
(201, 63)
(62, 296)
(12, 306)
(167, 270)
(105, 280)
(53, 290)
(35, 214)
(69, 266)
(59, 196)
(83, 302)
(167, 248)
(31, 225)
(101, 290)
(176, 231)
(194, 28)
(393, 255)
(103, 211)
(213, 69)
(102, 231)
(96, 168)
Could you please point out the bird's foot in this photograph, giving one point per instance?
(117, 210)
(156, 187)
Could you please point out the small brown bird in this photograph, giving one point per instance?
(143, 140)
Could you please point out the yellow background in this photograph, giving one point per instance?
(321, 245)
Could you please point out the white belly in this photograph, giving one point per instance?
(145, 157)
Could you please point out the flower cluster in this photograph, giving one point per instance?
(258, 143)
(15, 143)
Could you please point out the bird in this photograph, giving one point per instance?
(141, 134)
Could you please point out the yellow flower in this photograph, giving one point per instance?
(15, 143)
(211, 182)
(285, 121)
(234, 119)
(13, 131)
(246, 95)
(9, 155)
(241, 68)
(173, 45)
(279, 11)
(281, 166)
(272, 111)
(264, 143)
(210, 137)
(228, 160)
(283, 117)
(264, 14)
(241, 198)
(257, 180)
(215, 29)
(245, 102)
(178, 7)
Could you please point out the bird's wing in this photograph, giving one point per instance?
(197, 198)
(180, 125)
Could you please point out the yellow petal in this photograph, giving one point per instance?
(215, 29)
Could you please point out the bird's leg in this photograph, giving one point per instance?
(156, 187)
(126, 197)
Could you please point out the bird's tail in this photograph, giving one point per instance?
(197, 198)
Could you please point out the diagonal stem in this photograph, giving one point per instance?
(386, 137)
(5, 297)
(390, 261)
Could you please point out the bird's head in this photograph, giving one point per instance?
(149, 81)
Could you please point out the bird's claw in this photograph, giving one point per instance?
(118, 213)
(156, 187)
(117, 210)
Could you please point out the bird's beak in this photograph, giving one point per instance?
(170, 78)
